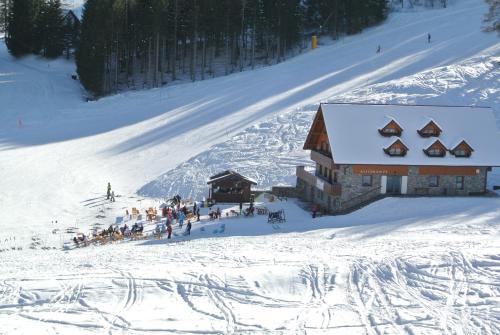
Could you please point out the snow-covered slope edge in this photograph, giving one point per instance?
(270, 150)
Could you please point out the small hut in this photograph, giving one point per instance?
(230, 186)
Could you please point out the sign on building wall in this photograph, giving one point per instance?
(381, 169)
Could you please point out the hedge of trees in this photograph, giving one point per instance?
(147, 43)
(35, 26)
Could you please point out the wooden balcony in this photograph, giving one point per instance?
(325, 186)
(322, 158)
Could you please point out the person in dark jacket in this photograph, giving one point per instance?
(428, 37)
(198, 213)
(241, 207)
(169, 231)
(188, 228)
(108, 193)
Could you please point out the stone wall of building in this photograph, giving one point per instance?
(419, 184)
(352, 187)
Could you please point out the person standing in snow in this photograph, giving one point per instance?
(241, 207)
(198, 213)
(109, 191)
(181, 219)
(428, 37)
(188, 228)
(169, 231)
(378, 49)
(112, 196)
(314, 210)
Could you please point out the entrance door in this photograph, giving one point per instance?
(393, 185)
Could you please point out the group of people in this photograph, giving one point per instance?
(176, 214)
(162, 228)
(379, 48)
(80, 238)
(137, 228)
(215, 214)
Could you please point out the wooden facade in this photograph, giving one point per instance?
(430, 129)
(370, 169)
(392, 128)
(436, 149)
(397, 148)
(464, 148)
(230, 187)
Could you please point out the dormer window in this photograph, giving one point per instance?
(395, 151)
(397, 148)
(462, 149)
(392, 128)
(436, 149)
(430, 129)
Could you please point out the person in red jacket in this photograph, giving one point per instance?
(314, 210)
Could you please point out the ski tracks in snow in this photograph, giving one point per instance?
(402, 296)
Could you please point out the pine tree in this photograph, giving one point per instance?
(94, 46)
(4, 14)
(54, 29)
(19, 37)
(492, 18)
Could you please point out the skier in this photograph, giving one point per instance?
(188, 228)
(378, 49)
(112, 196)
(109, 191)
(181, 219)
(169, 231)
(428, 37)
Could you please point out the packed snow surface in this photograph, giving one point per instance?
(404, 266)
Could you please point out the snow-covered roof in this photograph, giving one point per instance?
(229, 173)
(354, 138)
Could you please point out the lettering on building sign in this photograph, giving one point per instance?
(373, 172)
(380, 170)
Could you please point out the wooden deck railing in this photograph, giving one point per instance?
(311, 179)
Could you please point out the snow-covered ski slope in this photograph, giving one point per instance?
(69, 149)
(430, 268)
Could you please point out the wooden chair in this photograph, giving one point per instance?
(137, 236)
(135, 212)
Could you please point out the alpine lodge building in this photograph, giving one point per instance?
(364, 152)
